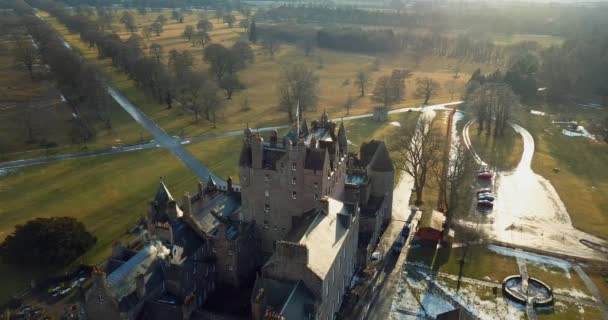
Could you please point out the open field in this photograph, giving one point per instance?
(543, 40)
(503, 153)
(108, 194)
(335, 70)
(50, 117)
(582, 180)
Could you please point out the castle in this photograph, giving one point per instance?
(307, 213)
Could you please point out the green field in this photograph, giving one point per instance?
(582, 180)
(502, 153)
(108, 194)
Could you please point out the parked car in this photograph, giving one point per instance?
(486, 175)
(486, 196)
(485, 204)
(398, 246)
(484, 190)
(406, 231)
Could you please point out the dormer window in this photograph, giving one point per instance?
(267, 208)
(293, 195)
(293, 180)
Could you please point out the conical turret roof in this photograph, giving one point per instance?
(162, 195)
(381, 162)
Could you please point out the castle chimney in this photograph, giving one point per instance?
(229, 184)
(274, 137)
(140, 286)
(201, 188)
(117, 249)
(99, 278)
(257, 152)
(187, 204)
(325, 204)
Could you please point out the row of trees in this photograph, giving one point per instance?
(176, 80)
(79, 81)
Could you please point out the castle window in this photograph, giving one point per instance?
(293, 195)
(267, 193)
(229, 268)
(101, 299)
(293, 180)
(266, 178)
(294, 166)
(267, 208)
(230, 252)
(316, 196)
(265, 224)
(315, 185)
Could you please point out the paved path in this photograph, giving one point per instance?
(165, 139)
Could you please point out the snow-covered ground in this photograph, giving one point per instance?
(579, 132)
(528, 211)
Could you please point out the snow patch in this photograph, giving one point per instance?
(395, 123)
(575, 293)
(350, 142)
(538, 113)
(532, 257)
(579, 132)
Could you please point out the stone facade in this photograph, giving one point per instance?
(282, 179)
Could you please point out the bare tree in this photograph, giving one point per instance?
(307, 45)
(426, 88)
(493, 104)
(451, 87)
(188, 32)
(350, 101)
(26, 55)
(157, 27)
(362, 80)
(270, 46)
(27, 117)
(418, 152)
(129, 21)
(298, 85)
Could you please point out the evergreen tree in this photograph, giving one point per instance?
(253, 35)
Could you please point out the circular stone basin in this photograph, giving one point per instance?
(539, 293)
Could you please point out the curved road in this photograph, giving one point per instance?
(528, 212)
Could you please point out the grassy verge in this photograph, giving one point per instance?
(503, 152)
(556, 278)
(582, 180)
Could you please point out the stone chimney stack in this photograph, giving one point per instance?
(257, 152)
(201, 188)
(187, 204)
(292, 252)
(140, 286)
(229, 184)
(274, 136)
(99, 278)
(117, 249)
(325, 204)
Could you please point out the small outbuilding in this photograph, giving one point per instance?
(435, 228)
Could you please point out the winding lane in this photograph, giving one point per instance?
(528, 211)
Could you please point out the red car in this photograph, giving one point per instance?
(486, 175)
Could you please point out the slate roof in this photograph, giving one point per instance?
(375, 154)
(324, 236)
(162, 195)
(185, 237)
(122, 280)
(217, 205)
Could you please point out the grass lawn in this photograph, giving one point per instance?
(503, 152)
(582, 182)
(543, 40)
(569, 310)
(108, 194)
(479, 263)
(335, 71)
(556, 278)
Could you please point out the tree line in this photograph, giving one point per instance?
(172, 82)
(78, 80)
